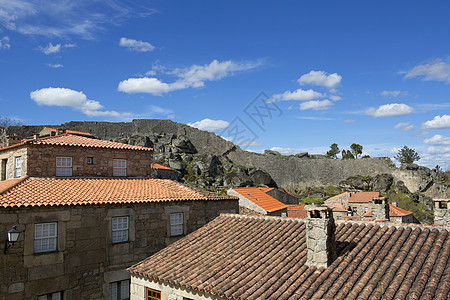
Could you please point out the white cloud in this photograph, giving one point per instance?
(51, 49)
(62, 18)
(390, 110)
(394, 94)
(438, 123)
(285, 151)
(74, 99)
(437, 140)
(4, 43)
(436, 70)
(148, 85)
(404, 126)
(320, 78)
(335, 97)
(193, 77)
(316, 105)
(55, 66)
(299, 95)
(209, 125)
(135, 45)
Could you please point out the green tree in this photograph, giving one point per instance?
(356, 149)
(334, 150)
(407, 155)
(346, 154)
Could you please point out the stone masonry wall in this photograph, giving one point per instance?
(9, 156)
(86, 260)
(41, 161)
(320, 241)
(442, 216)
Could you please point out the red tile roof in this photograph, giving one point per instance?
(394, 211)
(79, 191)
(258, 196)
(363, 197)
(249, 257)
(77, 141)
(296, 211)
(70, 131)
(161, 167)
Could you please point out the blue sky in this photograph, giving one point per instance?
(377, 73)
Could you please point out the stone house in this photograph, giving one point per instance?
(160, 171)
(71, 155)
(266, 257)
(257, 201)
(79, 234)
(86, 209)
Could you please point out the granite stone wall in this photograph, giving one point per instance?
(86, 260)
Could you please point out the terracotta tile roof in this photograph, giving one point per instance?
(258, 196)
(161, 167)
(337, 197)
(79, 191)
(70, 131)
(394, 211)
(77, 141)
(249, 257)
(296, 211)
(363, 197)
(338, 207)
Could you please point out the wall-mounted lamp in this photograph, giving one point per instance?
(13, 236)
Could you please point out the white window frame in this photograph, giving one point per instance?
(176, 224)
(45, 237)
(63, 166)
(52, 296)
(119, 290)
(119, 167)
(18, 166)
(120, 229)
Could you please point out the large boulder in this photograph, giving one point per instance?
(259, 177)
(237, 179)
(183, 145)
(356, 183)
(382, 183)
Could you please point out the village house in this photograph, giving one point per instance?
(85, 210)
(359, 206)
(266, 257)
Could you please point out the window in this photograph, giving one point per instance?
(18, 169)
(366, 209)
(119, 167)
(176, 224)
(90, 160)
(52, 296)
(45, 237)
(355, 210)
(64, 166)
(119, 290)
(120, 229)
(152, 294)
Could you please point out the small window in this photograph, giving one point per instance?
(119, 167)
(45, 237)
(64, 166)
(176, 224)
(120, 229)
(52, 296)
(119, 290)
(18, 167)
(152, 294)
(355, 210)
(90, 160)
(366, 209)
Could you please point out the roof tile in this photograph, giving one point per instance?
(258, 196)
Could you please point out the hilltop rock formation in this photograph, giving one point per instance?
(209, 161)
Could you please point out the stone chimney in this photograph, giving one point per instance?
(442, 212)
(13, 140)
(380, 209)
(320, 235)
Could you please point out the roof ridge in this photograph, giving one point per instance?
(397, 225)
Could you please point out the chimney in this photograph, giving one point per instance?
(36, 136)
(13, 140)
(380, 209)
(320, 235)
(442, 212)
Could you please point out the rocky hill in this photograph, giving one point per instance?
(209, 161)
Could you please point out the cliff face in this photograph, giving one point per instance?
(208, 160)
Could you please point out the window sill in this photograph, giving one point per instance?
(46, 252)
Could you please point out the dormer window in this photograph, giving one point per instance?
(64, 166)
